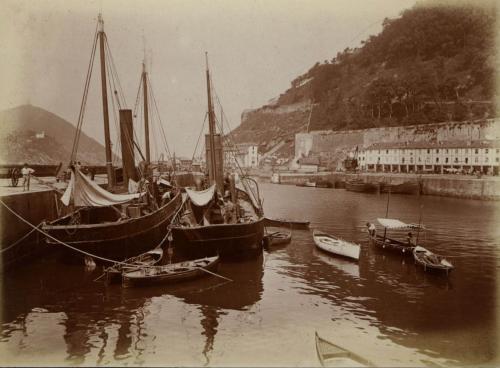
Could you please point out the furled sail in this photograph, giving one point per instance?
(86, 192)
(397, 224)
(201, 198)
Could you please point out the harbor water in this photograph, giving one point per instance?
(383, 308)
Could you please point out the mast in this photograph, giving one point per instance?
(146, 114)
(107, 139)
(211, 129)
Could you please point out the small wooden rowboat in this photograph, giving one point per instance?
(334, 245)
(331, 355)
(291, 224)
(430, 261)
(170, 273)
(277, 238)
(150, 258)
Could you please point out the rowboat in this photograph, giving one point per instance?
(309, 184)
(150, 258)
(334, 245)
(170, 273)
(277, 238)
(430, 261)
(331, 355)
(292, 224)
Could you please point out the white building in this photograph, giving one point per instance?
(421, 157)
(247, 155)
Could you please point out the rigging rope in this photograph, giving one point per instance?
(76, 249)
(199, 137)
(19, 240)
(83, 104)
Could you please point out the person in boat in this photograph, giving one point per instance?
(410, 239)
(372, 230)
(229, 211)
(26, 173)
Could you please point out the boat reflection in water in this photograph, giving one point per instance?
(348, 267)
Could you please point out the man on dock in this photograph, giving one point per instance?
(26, 172)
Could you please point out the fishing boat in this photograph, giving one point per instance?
(277, 238)
(331, 355)
(430, 261)
(408, 187)
(170, 273)
(358, 185)
(103, 223)
(335, 245)
(226, 218)
(150, 258)
(292, 224)
(390, 244)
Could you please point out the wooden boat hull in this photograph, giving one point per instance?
(423, 259)
(336, 246)
(409, 187)
(361, 187)
(391, 245)
(170, 274)
(230, 241)
(150, 258)
(279, 238)
(297, 225)
(331, 355)
(116, 240)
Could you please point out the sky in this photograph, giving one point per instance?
(255, 49)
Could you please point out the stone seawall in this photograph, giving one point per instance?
(35, 207)
(486, 188)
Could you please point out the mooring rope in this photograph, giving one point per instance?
(19, 240)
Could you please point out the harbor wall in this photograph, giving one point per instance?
(35, 207)
(485, 188)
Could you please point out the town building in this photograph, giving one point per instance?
(244, 155)
(420, 157)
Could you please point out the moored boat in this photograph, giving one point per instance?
(277, 238)
(171, 273)
(331, 355)
(408, 187)
(390, 244)
(358, 185)
(430, 261)
(310, 184)
(335, 245)
(150, 258)
(292, 224)
(227, 217)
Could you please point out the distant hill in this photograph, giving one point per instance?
(435, 63)
(20, 126)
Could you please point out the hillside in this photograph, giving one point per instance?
(434, 63)
(19, 143)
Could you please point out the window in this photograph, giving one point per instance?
(446, 150)
(476, 151)
(428, 150)
(497, 159)
(486, 160)
(419, 160)
(437, 159)
(437, 151)
(387, 151)
(498, 150)
(446, 160)
(456, 159)
(486, 150)
(466, 160)
(476, 160)
(403, 160)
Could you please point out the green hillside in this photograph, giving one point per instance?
(434, 63)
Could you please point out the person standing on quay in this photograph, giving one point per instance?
(26, 172)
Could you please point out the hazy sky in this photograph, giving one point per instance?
(255, 49)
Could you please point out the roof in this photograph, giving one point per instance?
(436, 145)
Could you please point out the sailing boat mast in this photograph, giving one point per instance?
(146, 114)
(107, 139)
(211, 129)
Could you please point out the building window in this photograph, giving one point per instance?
(446, 150)
(437, 159)
(486, 159)
(403, 160)
(411, 159)
(446, 160)
(497, 159)
(486, 150)
(387, 151)
(498, 150)
(466, 160)
(456, 159)
(476, 151)
(428, 150)
(476, 160)
(419, 160)
(437, 151)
